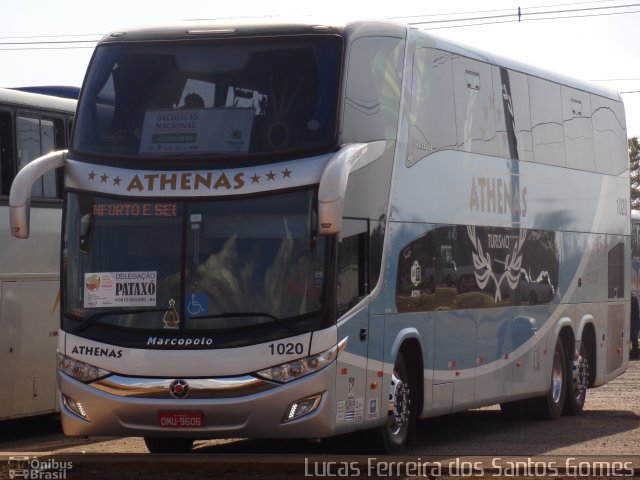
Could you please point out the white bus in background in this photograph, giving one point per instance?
(297, 230)
(635, 251)
(31, 125)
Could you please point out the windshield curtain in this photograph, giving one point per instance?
(216, 265)
(225, 98)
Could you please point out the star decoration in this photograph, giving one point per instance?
(103, 178)
(116, 181)
(255, 179)
(286, 173)
(271, 175)
(92, 175)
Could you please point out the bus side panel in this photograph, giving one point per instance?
(455, 354)
(351, 378)
(29, 315)
(30, 319)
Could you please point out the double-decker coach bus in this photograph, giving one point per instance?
(298, 230)
(30, 125)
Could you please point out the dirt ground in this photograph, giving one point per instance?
(465, 445)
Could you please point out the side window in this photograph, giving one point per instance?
(578, 131)
(547, 125)
(433, 116)
(37, 137)
(372, 99)
(352, 264)
(7, 171)
(616, 275)
(513, 117)
(609, 136)
(475, 112)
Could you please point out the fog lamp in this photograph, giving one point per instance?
(75, 407)
(302, 407)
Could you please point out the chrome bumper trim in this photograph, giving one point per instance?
(231, 387)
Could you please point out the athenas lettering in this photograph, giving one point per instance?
(185, 181)
(96, 351)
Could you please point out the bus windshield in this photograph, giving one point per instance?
(216, 266)
(236, 98)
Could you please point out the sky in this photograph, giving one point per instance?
(589, 40)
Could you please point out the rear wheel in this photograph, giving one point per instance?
(168, 445)
(578, 375)
(549, 406)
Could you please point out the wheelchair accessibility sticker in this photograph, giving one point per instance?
(197, 304)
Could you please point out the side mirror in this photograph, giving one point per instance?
(333, 183)
(20, 194)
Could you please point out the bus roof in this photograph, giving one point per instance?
(261, 26)
(36, 100)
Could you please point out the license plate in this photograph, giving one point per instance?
(181, 419)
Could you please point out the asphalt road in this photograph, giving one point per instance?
(602, 442)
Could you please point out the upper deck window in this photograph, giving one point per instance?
(233, 98)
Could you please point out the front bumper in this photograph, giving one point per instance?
(258, 414)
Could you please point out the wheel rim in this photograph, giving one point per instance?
(556, 378)
(401, 403)
(580, 376)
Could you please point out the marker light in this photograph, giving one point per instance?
(79, 370)
(293, 370)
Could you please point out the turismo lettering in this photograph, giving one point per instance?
(495, 195)
(151, 182)
(96, 351)
(498, 241)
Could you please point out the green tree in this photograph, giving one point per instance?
(634, 171)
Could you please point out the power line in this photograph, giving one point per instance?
(501, 10)
(55, 36)
(520, 16)
(48, 42)
(566, 17)
(22, 49)
(513, 17)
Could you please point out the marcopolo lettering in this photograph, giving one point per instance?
(96, 351)
(180, 342)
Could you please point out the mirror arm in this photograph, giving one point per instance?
(20, 194)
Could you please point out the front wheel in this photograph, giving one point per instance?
(392, 437)
(168, 445)
(549, 406)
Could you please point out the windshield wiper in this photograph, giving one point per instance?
(88, 322)
(247, 314)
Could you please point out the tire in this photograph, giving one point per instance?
(168, 445)
(392, 437)
(550, 406)
(578, 376)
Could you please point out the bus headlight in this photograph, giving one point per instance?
(79, 370)
(295, 369)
